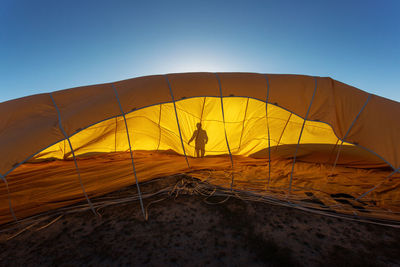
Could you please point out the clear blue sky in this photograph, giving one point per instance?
(54, 44)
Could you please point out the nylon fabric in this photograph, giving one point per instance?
(335, 103)
(147, 125)
(348, 130)
(177, 121)
(301, 132)
(258, 131)
(44, 186)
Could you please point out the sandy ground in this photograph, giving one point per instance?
(184, 230)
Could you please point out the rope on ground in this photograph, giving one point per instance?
(21, 231)
(192, 186)
(50, 223)
(150, 203)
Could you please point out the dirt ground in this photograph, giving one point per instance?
(187, 230)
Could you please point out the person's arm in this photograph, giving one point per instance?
(194, 135)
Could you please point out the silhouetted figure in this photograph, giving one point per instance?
(201, 140)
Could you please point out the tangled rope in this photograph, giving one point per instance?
(185, 185)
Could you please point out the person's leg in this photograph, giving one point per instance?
(198, 152)
(203, 151)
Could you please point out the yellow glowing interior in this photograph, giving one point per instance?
(156, 128)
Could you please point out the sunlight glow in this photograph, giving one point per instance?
(192, 58)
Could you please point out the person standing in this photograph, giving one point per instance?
(201, 139)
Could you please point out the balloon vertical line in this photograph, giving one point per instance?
(130, 150)
(226, 135)
(73, 154)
